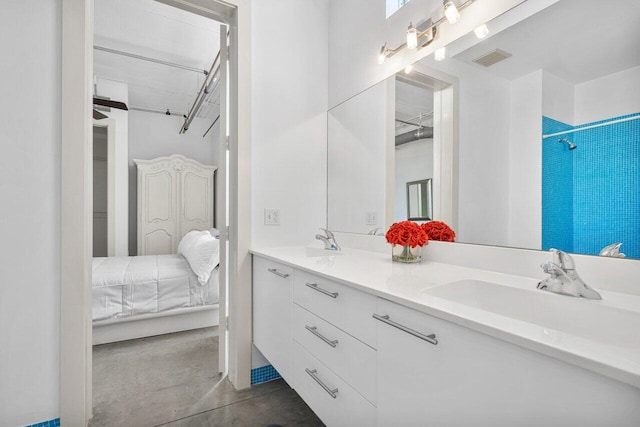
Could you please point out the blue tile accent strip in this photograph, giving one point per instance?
(264, 374)
(50, 423)
(602, 176)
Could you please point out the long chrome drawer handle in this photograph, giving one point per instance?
(312, 373)
(277, 273)
(428, 338)
(315, 287)
(314, 331)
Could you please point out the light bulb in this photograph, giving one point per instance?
(383, 54)
(451, 12)
(482, 31)
(412, 37)
(440, 54)
(408, 69)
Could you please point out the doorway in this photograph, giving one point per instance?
(76, 328)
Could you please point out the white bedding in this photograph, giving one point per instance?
(129, 286)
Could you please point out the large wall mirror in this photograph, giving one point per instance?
(544, 148)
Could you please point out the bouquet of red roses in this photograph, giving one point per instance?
(407, 233)
(438, 230)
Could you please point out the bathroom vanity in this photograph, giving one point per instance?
(365, 341)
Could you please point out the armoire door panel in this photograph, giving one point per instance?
(158, 242)
(196, 200)
(159, 200)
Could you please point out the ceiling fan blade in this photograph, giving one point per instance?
(110, 103)
(97, 115)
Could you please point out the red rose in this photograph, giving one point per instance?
(407, 233)
(438, 230)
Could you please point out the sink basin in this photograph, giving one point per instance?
(317, 252)
(588, 319)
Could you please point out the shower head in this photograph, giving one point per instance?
(571, 145)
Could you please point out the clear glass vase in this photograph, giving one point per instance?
(406, 253)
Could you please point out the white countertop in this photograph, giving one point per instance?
(409, 284)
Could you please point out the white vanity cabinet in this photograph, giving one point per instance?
(462, 377)
(272, 314)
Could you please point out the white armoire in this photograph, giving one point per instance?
(175, 196)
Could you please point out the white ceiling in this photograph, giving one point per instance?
(153, 29)
(576, 40)
(411, 101)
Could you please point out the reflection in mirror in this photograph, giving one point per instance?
(419, 201)
(548, 125)
(380, 141)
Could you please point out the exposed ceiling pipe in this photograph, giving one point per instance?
(202, 93)
(166, 112)
(414, 135)
(149, 59)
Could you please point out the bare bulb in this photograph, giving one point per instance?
(408, 69)
(451, 12)
(412, 37)
(440, 54)
(482, 31)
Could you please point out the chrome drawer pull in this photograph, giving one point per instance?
(277, 273)
(315, 287)
(314, 331)
(333, 393)
(428, 338)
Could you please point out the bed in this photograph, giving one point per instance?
(148, 295)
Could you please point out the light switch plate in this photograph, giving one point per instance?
(272, 216)
(371, 218)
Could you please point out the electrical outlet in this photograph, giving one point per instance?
(371, 218)
(272, 216)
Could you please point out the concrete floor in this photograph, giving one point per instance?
(172, 380)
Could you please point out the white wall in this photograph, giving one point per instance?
(289, 149)
(153, 135)
(30, 42)
(557, 98)
(414, 161)
(357, 148)
(610, 96)
(118, 91)
(525, 162)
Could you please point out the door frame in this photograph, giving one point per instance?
(76, 198)
(110, 125)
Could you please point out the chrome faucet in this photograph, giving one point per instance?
(564, 278)
(329, 240)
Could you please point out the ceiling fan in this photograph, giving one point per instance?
(97, 115)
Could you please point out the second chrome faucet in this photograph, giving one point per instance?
(563, 277)
(329, 240)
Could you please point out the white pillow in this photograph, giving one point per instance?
(202, 252)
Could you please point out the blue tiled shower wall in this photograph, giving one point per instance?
(591, 195)
(50, 423)
(264, 374)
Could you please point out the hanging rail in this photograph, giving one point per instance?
(204, 91)
(564, 132)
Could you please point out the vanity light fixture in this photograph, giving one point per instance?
(482, 31)
(440, 54)
(412, 37)
(451, 12)
(426, 32)
(383, 54)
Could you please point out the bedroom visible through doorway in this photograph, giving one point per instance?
(160, 215)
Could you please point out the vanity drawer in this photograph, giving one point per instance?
(272, 313)
(344, 307)
(335, 402)
(349, 358)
